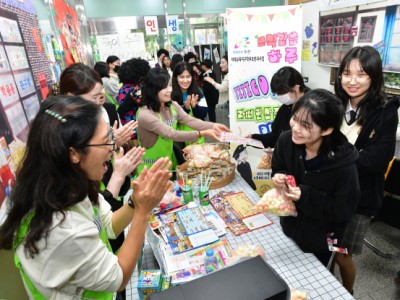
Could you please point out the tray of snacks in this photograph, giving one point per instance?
(212, 160)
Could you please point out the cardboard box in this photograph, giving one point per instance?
(150, 281)
(252, 278)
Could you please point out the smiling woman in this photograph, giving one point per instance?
(58, 224)
(322, 161)
(158, 119)
(101, 149)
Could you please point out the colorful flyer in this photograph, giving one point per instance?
(187, 229)
(236, 211)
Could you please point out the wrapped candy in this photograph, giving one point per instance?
(275, 203)
(245, 250)
(200, 161)
(209, 150)
(296, 294)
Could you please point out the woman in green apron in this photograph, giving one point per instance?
(188, 95)
(58, 224)
(159, 117)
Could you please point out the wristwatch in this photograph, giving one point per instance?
(131, 203)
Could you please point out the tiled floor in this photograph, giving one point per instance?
(375, 274)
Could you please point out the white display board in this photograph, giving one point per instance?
(261, 40)
(124, 45)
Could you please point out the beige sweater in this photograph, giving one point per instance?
(351, 132)
(150, 125)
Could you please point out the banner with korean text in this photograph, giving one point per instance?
(261, 40)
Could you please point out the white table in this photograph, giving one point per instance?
(300, 270)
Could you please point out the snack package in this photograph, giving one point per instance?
(266, 160)
(245, 250)
(296, 294)
(209, 150)
(200, 161)
(275, 203)
(290, 180)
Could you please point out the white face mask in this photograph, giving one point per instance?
(285, 99)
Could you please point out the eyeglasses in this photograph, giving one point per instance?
(112, 138)
(361, 78)
(114, 145)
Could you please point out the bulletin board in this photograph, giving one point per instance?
(19, 101)
(125, 45)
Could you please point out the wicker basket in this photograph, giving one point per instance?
(222, 171)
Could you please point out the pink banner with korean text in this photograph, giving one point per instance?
(261, 40)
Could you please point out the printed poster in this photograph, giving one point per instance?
(264, 40)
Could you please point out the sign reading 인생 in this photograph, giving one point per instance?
(263, 40)
(151, 25)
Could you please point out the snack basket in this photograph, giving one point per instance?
(219, 165)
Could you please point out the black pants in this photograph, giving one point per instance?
(323, 257)
(121, 295)
(211, 113)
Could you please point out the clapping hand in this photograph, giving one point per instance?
(125, 164)
(123, 133)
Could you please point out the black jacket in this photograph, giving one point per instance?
(376, 144)
(329, 194)
(210, 92)
(279, 125)
(112, 113)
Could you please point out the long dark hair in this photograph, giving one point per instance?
(156, 80)
(176, 89)
(47, 181)
(285, 79)
(326, 111)
(371, 63)
(176, 58)
(78, 79)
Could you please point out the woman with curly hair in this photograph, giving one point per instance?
(131, 74)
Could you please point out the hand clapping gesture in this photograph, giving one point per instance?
(123, 133)
(191, 101)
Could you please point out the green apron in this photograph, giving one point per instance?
(23, 230)
(112, 100)
(163, 146)
(183, 127)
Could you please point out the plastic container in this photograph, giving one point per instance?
(210, 261)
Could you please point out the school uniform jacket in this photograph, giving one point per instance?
(329, 194)
(376, 144)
